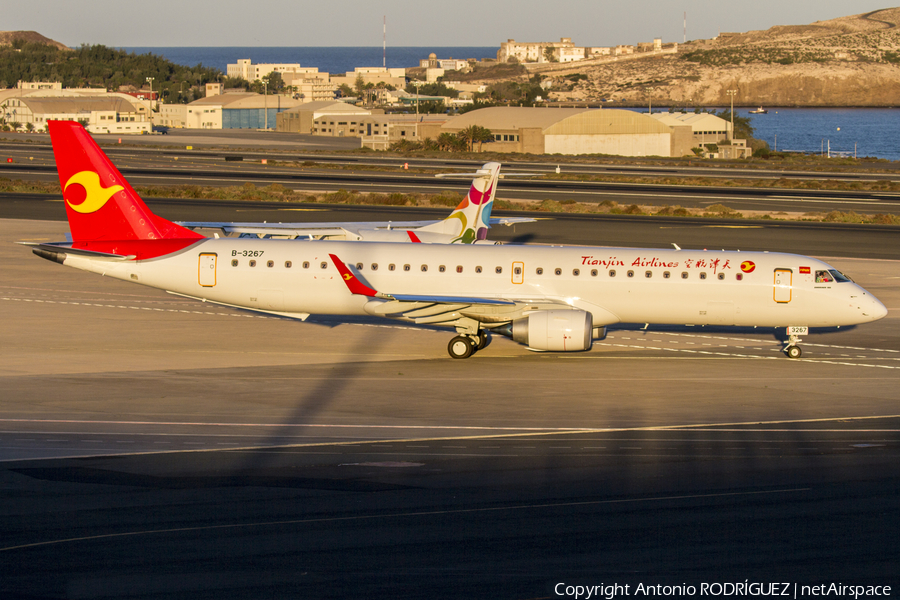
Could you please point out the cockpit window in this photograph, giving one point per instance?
(831, 276)
(839, 277)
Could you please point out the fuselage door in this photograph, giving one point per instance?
(518, 272)
(783, 283)
(206, 273)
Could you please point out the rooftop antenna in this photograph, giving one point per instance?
(384, 43)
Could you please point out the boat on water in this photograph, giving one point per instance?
(759, 111)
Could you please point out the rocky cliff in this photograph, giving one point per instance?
(851, 61)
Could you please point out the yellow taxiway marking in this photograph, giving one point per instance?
(398, 515)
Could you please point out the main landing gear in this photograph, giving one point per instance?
(464, 346)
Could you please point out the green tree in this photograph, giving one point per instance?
(276, 82)
(360, 86)
(475, 134)
(550, 54)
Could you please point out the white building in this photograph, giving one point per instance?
(245, 69)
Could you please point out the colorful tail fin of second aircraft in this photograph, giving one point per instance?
(100, 203)
(470, 221)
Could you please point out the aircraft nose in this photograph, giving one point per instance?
(876, 310)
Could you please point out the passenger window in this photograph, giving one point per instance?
(702, 275)
(576, 272)
(612, 272)
(539, 271)
(739, 276)
(648, 274)
(459, 269)
(721, 276)
(323, 265)
(517, 270)
(305, 265)
(374, 266)
(270, 264)
(498, 270)
(593, 272)
(252, 263)
(557, 271)
(406, 267)
(630, 273)
(391, 267)
(478, 269)
(288, 264)
(359, 266)
(442, 268)
(234, 263)
(684, 274)
(424, 268)
(666, 274)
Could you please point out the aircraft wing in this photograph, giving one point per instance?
(326, 229)
(433, 309)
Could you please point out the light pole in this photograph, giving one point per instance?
(266, 100)
(417, 84)
(732, 93)
(150, 81)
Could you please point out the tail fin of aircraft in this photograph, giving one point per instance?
(100, 204)
(470, 220)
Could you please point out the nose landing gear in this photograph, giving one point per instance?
(791, 349)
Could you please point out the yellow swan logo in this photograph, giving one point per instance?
(95, 194)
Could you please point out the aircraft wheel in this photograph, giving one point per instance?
(482, 340)
(461, 347)
(793, 351)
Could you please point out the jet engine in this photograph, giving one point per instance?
(554, 330)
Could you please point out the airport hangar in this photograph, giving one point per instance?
(571, 131)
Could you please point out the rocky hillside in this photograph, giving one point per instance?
(850, 61)
(7, 38)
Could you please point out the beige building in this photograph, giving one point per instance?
(233, 110)
(330, 117)
(245, 69)
(534, 51)
(575, 131)
(380, 131)
(99, 112)
(373, 75)
(705, 128)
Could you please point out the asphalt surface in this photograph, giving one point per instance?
(154, 447)
(230, 164)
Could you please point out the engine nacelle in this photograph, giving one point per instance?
(555, 330)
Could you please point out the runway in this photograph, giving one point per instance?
(153, 446)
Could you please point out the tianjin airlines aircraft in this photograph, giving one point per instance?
(548, 298)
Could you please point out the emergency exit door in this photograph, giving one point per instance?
(783, 285)
(518, 272)
(207, 270)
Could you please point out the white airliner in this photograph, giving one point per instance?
(467, 224)
(548, 298)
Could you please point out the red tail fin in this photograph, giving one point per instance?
(100, 204)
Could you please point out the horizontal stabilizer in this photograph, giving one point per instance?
(66, 248)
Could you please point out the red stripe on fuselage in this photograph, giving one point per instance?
(413, 237)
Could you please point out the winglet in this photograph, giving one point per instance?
(355, 286)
